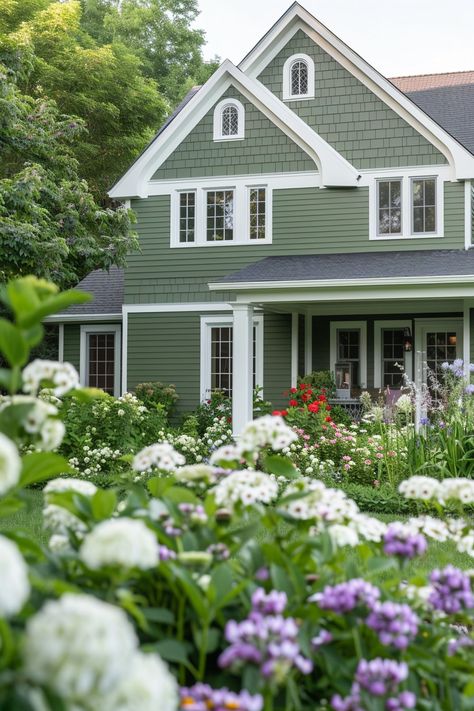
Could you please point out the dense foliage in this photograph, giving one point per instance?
(235, 583)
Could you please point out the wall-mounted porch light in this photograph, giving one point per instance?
(407, 340)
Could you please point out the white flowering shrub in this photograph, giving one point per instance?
(234, 583)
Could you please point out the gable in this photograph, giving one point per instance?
(265, 149)
(350, 117)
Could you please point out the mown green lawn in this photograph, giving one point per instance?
(29, 518)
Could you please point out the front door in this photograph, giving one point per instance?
(436, 342)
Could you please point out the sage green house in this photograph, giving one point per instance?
(297, 212)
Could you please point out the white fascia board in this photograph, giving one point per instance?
(335, 170)
(467, 279)
(297, 17)
(82, 318)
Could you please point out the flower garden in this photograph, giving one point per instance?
(183, 570)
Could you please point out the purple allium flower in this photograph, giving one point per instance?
(451, 590)
(395, 624)
(166, 553)
(400, 540)
(265, 638)
(322, 638)
(471, 367)
(347, 596)
(201, 697)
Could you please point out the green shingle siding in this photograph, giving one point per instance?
(265, 149)
(348, 115)
(72, 340)
(305, 221)
(277, 357)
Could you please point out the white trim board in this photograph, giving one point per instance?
(336, 326)
(334, 168)
(407, 358)
(275, 181)
(82, 318)
(175, 307)
(467, 214)
(207, 322)
(296, 18)
(100, 328)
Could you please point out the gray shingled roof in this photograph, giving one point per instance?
(107, 290)
(452, 107)
(364, 265)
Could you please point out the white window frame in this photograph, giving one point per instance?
(218, 111)
(422, 326)
(226, 321)
(412, 207)
(287, 95)
(241, 190)
(379, 326)
(336, 326)
(177, 216)
(406, 177)
(83, 351)
(393, 179)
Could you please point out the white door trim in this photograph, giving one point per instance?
(100, 328)
(422, 325)
(362, 325)
(407, 359)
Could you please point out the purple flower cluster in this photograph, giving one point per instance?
(380, 678)
(395, 624)
(398, 540)
(456, 367)
(454, 645)
(166, 553)
(196, 514)
(345, 597)
(451, 590)
(266, 639)
(201, 697)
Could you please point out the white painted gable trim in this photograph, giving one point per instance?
(334, 169)
(296, 18)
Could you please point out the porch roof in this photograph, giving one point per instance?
(422, 266)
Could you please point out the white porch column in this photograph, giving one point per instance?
(61, 343)
(294, 348)
(308, 344)
(242, 377)
(466, 337)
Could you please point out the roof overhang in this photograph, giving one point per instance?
(335, 170)
(82, 318)
(297, 17)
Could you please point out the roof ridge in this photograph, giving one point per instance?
(432, 74)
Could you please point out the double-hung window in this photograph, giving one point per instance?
(389, 207)
(236, 214)
(423, 191)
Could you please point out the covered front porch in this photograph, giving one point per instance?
(378, 326)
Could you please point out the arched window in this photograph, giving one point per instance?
(229, 120)
(298, 78)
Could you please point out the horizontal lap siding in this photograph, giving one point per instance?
(305, 221)
(166, 348)
(72, 340)
(348, 115)
(277, 357)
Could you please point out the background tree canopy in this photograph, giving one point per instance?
(84, 85)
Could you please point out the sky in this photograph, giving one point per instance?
(397, 38)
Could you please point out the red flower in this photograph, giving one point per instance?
(328, 407)
(277, 412)
(293, 391)
(284, 413)
(306, 397)
(327, 419)
(293, 403)
(322, 398)
(303, 386)
(309, 391)
(314, 407)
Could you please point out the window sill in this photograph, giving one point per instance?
(221, 139)
(405, 238)
(228, 243)
(303, 97)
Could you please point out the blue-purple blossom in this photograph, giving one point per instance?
(399, 540)
(469, 389)
(201, 697)
(395, 624)
(451, 590)
(265, 638)
(425, 421)
(166, 553)
(456, 367)
(380, 678)
(323, 637)
(454, 645)
(345, 597)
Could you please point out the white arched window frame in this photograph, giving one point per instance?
(225, 114)
(293, 64)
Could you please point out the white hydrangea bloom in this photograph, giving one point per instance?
(226, 453)
(268, 431)
(432, 527)
(10, 464)
(60, 485)
(195, 472)
(59, 543)
(63, 376)
(58, 519)
(246, 487)
(343, 535)
(79, 647)
(420, 487)
(319, 503)
(52, 434)
(15, 586)
(121, 541)
(147, 686)
(161, 455)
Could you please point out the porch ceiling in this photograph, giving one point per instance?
(391, 307)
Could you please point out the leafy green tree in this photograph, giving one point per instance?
(160, 32)
(50, 223)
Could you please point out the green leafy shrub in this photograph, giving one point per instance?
(163, 397)
(321, 382)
